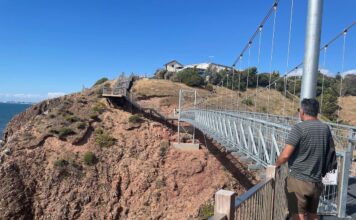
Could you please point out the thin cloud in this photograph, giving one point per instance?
(21, 97)
(349, 72)
(296, 72)
(299, 72)
(52, 95)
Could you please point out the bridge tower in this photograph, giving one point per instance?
(312, 51)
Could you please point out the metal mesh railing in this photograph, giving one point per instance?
(257, 203)
(262, 140)
(280, 209)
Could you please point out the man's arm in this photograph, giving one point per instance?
(285, 155)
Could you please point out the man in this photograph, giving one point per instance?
(310, 153)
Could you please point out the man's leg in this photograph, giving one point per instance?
(295, 198)
(299, 217)
(313, 216)
(313, 202)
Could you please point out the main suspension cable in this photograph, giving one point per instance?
(271, 56)
(342, 70)
(288, 54)
(258, 64)
(264, 20)
(323, 80)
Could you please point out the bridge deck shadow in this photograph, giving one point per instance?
(236, 168)
(230, 163)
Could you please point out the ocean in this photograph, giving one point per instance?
(7, 111)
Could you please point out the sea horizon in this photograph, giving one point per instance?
(8, 110)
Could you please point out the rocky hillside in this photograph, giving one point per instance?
(77, 157)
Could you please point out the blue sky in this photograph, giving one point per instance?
(58, 46)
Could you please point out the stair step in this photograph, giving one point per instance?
(255, 167)
(246, 159)
(237, 154)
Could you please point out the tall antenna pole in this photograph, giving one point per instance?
(312, 45)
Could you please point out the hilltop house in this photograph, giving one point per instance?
(175, 66)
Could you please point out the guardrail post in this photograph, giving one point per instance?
(224, 205)
(271, 172)
(343, 181)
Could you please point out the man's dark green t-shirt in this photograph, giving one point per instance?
(311, 140)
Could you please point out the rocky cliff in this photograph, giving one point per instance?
(77, 157)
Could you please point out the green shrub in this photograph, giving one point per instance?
(99, 107)
(64, 132)
(190, 77)
(210, 87)
(136, 118)
(89, 158)
(102, 139)
(94, 115)
(60, 163)
(248, 101)
(71, 118)
(264, 109)
(163, 149)
(81, 125)
(53, 131)
(206, 211)
(160, 73)
(101, 81)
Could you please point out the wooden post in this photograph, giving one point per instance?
(225, 204)
(271, 172)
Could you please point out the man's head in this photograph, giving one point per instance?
(309, 109)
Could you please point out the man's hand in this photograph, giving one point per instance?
(285, 155)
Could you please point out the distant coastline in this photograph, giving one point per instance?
(8, 110)
(16, 102)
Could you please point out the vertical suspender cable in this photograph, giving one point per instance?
(239, 90)
(342, 70)
(322, 83)
(248, 70)
(238, 93)
(285, 80)
(232, 84)
(226, 90)
(288, 51)
(271, 57)
(294, 88)
(258, 63)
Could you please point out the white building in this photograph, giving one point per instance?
(173, 66)
(205, 66)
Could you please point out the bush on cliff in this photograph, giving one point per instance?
(99, 107)
(136, 118)
(101, 81)
(102, 139)
(89, 158)
(248, 101)
(60, 163)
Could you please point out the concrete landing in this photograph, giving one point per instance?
(186, 146)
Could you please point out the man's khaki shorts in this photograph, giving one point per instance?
(302, 196)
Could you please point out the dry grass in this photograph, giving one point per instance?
(348, 111)
(228, 99)
(160, 88)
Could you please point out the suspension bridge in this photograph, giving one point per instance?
(260, 135)
(256, 133)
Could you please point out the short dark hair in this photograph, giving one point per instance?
(310, 107)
